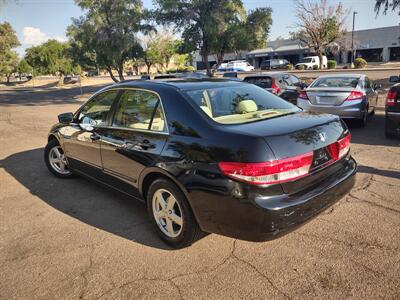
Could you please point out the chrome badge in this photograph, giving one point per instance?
(322, 136)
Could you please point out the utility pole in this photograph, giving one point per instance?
(353, 52)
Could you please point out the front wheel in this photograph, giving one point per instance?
(56, 160)
(171, 214)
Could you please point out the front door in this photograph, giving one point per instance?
(135, 138)
(81, 142)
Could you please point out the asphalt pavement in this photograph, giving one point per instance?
(73, 239)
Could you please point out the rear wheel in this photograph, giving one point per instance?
(390, 129)
(363, 121)
(171, 214)
(56, 160)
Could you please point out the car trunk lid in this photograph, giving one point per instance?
(296, 134)
(328, 96)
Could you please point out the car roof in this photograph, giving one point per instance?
(269, 74)
(179, 83)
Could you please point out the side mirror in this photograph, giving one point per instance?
(377, 86)
(66, 117)
(394, 79)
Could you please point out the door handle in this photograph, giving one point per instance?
(94, 137)
(145, 144)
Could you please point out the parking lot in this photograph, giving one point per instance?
(75, 239)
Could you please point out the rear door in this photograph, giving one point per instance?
(372, 95)
(136, 137)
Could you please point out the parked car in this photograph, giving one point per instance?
(285, 85)
(70, 79)
(274, 64)
(215, 155)
(350, 96)
(310, 61)
(222, 67)
(231, 76)
(239, 66)
(392, 109)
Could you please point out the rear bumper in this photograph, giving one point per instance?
(347, 110)
(265, 217)
(393, 116)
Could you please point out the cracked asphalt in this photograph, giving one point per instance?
(73, 239)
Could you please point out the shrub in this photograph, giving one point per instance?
(190, 69)
(360, 63)
(289, 67)
(300, 67)
(331, 64)
(315, 67)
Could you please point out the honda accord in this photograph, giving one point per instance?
(207, 155)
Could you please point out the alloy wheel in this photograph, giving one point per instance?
(58, 160)
(167, 213)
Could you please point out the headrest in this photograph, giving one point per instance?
(246, 106)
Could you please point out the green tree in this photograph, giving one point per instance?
(386, 5)
(201, 22)
(23, 67)
(151, 50)
(107, 35)
(246, 32)
(50, 57)
(320, 24)
(8, 57)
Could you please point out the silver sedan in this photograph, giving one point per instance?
(350, 96)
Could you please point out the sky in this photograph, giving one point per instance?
(36, 21)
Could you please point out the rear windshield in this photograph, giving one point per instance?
(241, 103)
(263, 82)
(340, 82)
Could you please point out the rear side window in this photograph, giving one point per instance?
(96, 110)
(263, 82)
(239, 103)
(339, 82)
(139, 109)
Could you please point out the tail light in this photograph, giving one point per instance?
(303, 95)
(391, 98)
(355, 95)
(271, 172)
(340, 148)
(275, 89)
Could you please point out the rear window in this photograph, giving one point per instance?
(241, 103)
(336, 82)
(263, 82)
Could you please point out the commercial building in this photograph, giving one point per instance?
(374, 45)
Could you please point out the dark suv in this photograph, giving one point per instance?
(392, 109)
(274, 64)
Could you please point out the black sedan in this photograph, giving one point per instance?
(216, 155)
(392, 109)
(285, 85)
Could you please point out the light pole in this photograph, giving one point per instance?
(352, 40)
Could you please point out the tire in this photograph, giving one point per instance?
(363, 121)
(390, 129)
(175, 235)
(49, 151)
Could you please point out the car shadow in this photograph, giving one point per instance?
(386, 173)
(83, 199)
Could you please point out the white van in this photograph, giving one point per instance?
(310, 61)
(239, 66)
